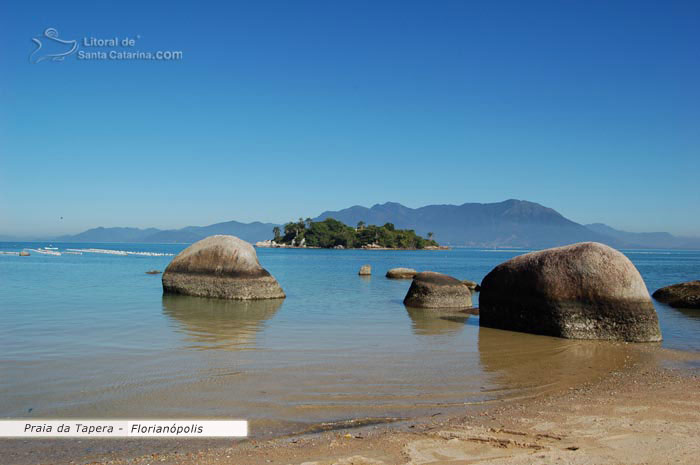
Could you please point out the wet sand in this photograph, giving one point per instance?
(646, 412)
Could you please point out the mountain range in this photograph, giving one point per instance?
(511, 223)
(251, 232)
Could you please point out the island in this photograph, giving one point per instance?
(333, 234)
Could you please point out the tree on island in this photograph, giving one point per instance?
(331, 233)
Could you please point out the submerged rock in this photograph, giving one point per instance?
(153, 272)
(401, 273)
(683, 295)
(436, 290)
(580, 291)
(365, 270)
(224, 267)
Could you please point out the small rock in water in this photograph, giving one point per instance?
(437, 290)
(24, 253)
(365, 270)
(683, 295)
(401, 273)
(153, 272)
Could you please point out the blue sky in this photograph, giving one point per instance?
(285, 109)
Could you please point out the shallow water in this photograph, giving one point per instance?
(92, 336)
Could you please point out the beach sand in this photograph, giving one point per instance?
(648, 413)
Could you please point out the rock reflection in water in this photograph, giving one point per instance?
(692, 313)
(218, 323)
(536, 364)
(426, 322)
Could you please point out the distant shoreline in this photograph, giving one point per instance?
(274, 245)
(457, 246)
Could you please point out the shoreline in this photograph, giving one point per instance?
(269, 245)
(647, 412)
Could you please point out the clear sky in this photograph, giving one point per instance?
(285, 109)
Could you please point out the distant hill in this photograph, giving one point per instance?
(658, 240)
(512, 223)
(110, 235)
(251, 232)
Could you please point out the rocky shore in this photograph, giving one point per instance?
(647, 411)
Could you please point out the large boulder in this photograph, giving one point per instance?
(401, 273)
(436, 290)
(365, 270)
(580, 291)
(224, 267)
(683, 295)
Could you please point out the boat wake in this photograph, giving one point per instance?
(121, 252)
(46, 251)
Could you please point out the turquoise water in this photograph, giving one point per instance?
(92, 336)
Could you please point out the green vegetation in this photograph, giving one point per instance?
(331, 233)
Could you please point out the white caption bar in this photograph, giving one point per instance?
(122, 428)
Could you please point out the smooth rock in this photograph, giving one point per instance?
(683, 295)
(24, 253)
(436, 290)
(365, 270)
(472, 285)
(580, 291)
(224, 267)
(401, 273)
(153, 272)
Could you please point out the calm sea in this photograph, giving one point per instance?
(91, 335)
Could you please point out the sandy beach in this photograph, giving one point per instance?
(646, 413)
(490, 211)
